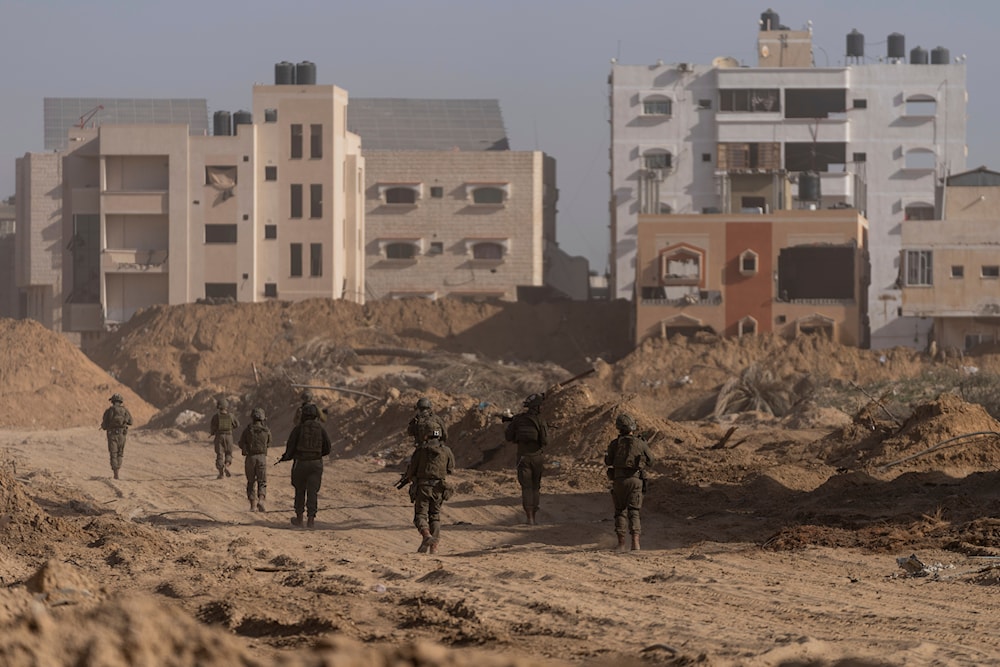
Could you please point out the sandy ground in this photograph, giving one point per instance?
(705, 589)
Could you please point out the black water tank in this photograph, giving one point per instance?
(918, 56)
(809, 186)
(284, 73)
(222, 124)
(769, 20)
(855, 44)
(897, 46)
(940, 56)
(241, 118)
(305, 73)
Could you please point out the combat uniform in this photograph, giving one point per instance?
(431, 463)
(307, 444)
(116, 421)
(531, 434)
(254, 441)
(627, 458)
(223, 425)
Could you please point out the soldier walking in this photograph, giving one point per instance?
(307, 444)
(254, 441)
(116, 421)
(424, 415)
(222, 427)
(627, 459)
(531, 434)
(430, 464)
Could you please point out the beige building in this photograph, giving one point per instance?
(788, 272)
(267, 207)
(950, 267)
(458, 223)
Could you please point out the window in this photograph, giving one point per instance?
(401, 196)
(296, 141)
(487, 195)
(270, 231)
(657, 105)
(221, 178)
(316, 141)
(859, 157)
(976, 339)
(270, 173)
(747, 326)
(220, 233)
(316, 200)
(920, 105)
(437, 192)
(656, 159)
(315, 259)
(400, 251)
(220, 291)
(919, 211)
(296, 195)
(957, 271)
(296, 260)
(860, 103)
(681, 265)
(437, 247)
(990, 271)
(766, 155)
(706, 157)
(748, 262)
(814, 102)
(704, 104)
(488, 250)
(270, 115)
(749, 99)
(918, 267)
(271, 290)
(919, 158)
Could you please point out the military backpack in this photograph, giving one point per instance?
(225, 423)
(628, 453)
(118, 418)
(310, 443)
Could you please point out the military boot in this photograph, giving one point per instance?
(621, 542)
(297, 520)
(433, 547)
(226, 470)
(253, 504)
(635, 541)
(311, 522)
(260, 504)
(426, 542)
(219, 476)
(116, 473)
(529, 517)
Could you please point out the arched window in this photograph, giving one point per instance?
(657, 105)
(400, 195)
(487, 250)
(747, 326)
(488, 195)
(400, 251)
(920, 158)
(748, 262)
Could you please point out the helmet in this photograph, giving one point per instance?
(116, 398)
(534, 401)
(257, 414)
(625, 423)
(424, 403)
(307, 396)
(222, 403)
(310, 411)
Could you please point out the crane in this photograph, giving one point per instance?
(85, 118)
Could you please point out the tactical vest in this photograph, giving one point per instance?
(628, 456)
(310, 444)
(259, 438)
(433, 461)
(118, 417)
(225, 424)
(526, 429)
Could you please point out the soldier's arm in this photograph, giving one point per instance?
(543, 432)
(291, 444)
(327, 444)
(609, 456)
(451, 461)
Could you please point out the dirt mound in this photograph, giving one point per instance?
(24, 526)
(48, 383)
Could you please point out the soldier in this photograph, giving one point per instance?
(254, 441)
(627, 458)
(308, 399)
(424, 415)
(116, 421)
(531, 434)
(430, 464)
(307, 444)
(223, 425)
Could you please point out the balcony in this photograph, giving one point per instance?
(133, 261)
(138, 203)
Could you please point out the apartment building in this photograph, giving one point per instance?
(950, 266)
(269, 206)
(450, 210)
(788, 272)
(873, 134)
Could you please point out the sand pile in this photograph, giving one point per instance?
(48, 383)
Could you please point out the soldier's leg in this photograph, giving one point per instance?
(298, 482)
(227, 449)
(527, 491)
(220, 456)
(312, 489)
(261, 481)
(538, 466)
(634, 505)
(250, 470)
(619, 495)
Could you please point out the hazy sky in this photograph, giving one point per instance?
(547, 61)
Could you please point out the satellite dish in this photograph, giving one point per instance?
(725, 61)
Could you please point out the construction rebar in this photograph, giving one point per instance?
(938, 446)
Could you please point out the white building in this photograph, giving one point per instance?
(876, 134)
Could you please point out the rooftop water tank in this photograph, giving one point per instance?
(809, 186)
(918, 56)
(241, 118)
(896, 46)
(769, 20)
(222, 124)
(855, 44)
(305, 73)
(940, 56)
(284, 73)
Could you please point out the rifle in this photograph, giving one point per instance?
(403, 481)
(506, 416)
